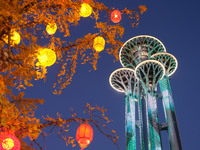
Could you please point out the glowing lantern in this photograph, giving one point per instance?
(86, 10)
(84, 135)
(14, 38)
(9, 142)
(99, 43)
(116, 16)
(51, 28)
(46, 57)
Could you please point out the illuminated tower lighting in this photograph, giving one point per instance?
(171, 64)
(133, 52)
(149, 72)
(123, 80)
(146, 56)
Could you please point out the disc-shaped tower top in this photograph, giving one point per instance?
(149, 72)
(138, 49)
(123, 80)
(168, 60)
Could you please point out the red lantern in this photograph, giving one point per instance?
(9, 142)
(116, 16)
(84, 135)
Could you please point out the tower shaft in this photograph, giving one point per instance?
(153, 122)
(144, 124)
(130, 122)
(170, 114)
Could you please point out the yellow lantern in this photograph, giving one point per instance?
(51, 28)
(99, 43)
(46, 57)
(9, 142)
(14, 38)
(86, 10)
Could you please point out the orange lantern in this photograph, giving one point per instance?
(51, 28)
(86, 10)
(84, 135)
(9, 142)
(14, 38)
(116, 16)
(99, 43)
(46, 57)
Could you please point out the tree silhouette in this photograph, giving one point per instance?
(19, 63)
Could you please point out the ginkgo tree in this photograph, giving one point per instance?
(24, 57)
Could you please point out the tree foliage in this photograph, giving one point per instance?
(19, 64)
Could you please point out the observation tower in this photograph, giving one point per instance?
(145, 65)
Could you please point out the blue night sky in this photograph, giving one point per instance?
(176, 24)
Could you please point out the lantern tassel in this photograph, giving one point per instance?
(82, 148)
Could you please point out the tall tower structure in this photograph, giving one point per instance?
(123, 80)
(147, 64)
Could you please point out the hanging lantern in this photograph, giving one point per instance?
(84, 135)
(51, 28)
(9, 142)
(46, 57)
(116, 16)
(99, 43)
(86, 10)
(14, 38)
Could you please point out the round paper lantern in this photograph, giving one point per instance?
(14, 38)
(9, 142)
(51, 28)
(46, 57)
(99, 43)
(116, 16)
(84, 135)
(86, 10)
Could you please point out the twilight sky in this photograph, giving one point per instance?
(176, 24)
